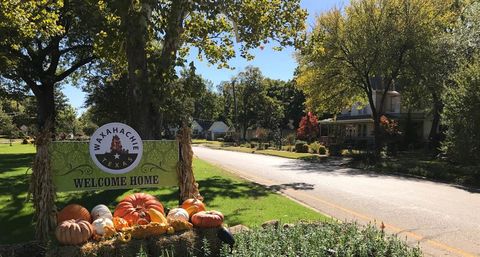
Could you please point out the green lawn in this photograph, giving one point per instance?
(284, 154)
(241, 202)
(206, 142)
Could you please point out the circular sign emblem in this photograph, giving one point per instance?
(116, 148)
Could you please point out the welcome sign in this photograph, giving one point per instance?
(115, 158)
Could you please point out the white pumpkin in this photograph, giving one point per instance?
(178, 214)
(101, 211)
(100, 224)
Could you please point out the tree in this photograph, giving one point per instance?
(172, 27)
(291, 99)
(461, 116)
(254, 106)
(462, 97)
(106, 101)
(5, 120)
(466, 33)
(431, 67)
(208, 105)
(67, 122)
(248, 94)
(308, 128)
(47, 42)
(86, 122)
(348, 48)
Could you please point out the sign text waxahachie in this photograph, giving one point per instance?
(115, 158)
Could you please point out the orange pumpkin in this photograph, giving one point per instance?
(207, 219)
(142, 221)
(193, 206)
(136, 206)
(74, 232)
(73, 211)
(120, 223)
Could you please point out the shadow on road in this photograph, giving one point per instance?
(294, 186)
(338, 167)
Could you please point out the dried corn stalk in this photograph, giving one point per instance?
(42, 189)
(187, 184)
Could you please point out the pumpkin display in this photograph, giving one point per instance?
(180, 225)
(120, 223)
(136, 206)
(151, 229)
(101, 211)
(73, 211)
(156, 216)
(193, 206)
(207, 219)
(142, 221)
(178, 214)
(100, 224)
(74, 232)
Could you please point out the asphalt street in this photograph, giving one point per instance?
(443, 219)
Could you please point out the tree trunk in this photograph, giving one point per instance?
(244, 132)
(378, 137)
(433, 137)
(139, 88)
(41, 184)
(376, 126)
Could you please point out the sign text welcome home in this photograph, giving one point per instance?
(115, 158)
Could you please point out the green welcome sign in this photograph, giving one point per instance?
(115, 158)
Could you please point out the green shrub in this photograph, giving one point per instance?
(461, 116)
(289, 139)
(335, 150)
(322, 150)
(260, 146)
(301, 147)
(317, 148)
(329, 239)
(288, 148)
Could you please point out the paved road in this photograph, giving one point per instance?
(444, 219)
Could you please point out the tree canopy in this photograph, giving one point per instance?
(368, 40)
(171, 28)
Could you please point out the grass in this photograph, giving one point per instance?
(241, 202)
(206, 142)
(284, 154)
(421, 164)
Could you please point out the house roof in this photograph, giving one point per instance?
(354, 117)
(368, 118)
(218, 126)
(332, 121)
(205, 124)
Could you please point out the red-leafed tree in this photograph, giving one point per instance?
(308, 128)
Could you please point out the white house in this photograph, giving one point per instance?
(199, 127)
(217, 130)
(355, 124)
(210, 130)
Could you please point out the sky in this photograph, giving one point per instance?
(273, 64)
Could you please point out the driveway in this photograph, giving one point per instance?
(443, 219)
